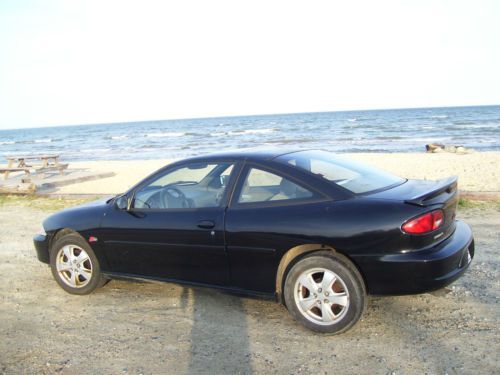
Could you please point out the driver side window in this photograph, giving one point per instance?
(195, 185)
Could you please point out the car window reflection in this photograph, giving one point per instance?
(196, 185)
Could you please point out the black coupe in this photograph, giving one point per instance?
(309, 228)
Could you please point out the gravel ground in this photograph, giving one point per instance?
(153, 328)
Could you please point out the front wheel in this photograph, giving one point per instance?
(325, 292)
(75, 266)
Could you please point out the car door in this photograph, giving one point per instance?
(174, 228)
(269, 213)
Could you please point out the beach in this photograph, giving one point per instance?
(137, 327)
(477, 171)
(154, 328)
(157, 215)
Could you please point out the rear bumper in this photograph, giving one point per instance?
(420, 271)
(41, 243)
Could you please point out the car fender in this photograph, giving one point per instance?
(84, 219)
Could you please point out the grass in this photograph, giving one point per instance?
(41, 203)
(467, 204)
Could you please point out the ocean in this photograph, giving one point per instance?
(395, 130)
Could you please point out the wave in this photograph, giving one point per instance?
(428, 139)
(157, 147)
(95, 150)
(290, 141)
(244, 132)
(487, 141)
(167, 134)
(259, 131)
(254, 131)
(388, 138)
(477, 126)
(407, 130)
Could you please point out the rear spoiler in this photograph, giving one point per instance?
(447, 185)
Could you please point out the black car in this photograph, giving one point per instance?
(309, 228)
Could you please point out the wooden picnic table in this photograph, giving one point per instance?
(20, 161)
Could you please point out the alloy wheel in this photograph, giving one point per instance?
(74, 266)
(321, 296)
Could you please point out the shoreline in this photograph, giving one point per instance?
(477, 171)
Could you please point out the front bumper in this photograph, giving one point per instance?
(42, 248)
(420, 271)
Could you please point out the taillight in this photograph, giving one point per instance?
(424, 223)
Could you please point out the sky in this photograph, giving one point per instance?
(79, 62)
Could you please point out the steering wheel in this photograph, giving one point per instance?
(172, 192)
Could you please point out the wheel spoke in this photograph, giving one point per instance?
(63, 267)
(338, 299)
(82, 257)
(307, 303)
(68, 252)
(307, 281)
(328, 280)
(86, 274)
(73, 278)
(327, 313)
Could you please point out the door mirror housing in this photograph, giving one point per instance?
(122, 203)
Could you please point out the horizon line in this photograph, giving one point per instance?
(248, 115)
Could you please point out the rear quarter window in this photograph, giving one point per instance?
(351, 175)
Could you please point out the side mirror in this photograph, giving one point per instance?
(122, 203)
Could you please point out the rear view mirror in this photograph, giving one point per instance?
(224, 180)
(197, 166)
(122, 203)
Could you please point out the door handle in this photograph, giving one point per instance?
(206, 224)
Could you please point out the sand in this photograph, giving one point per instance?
(127, 174)
(477, 172)
(154, 328)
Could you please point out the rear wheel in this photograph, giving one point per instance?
(75, 266)
(325, 292)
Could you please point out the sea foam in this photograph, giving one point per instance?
(166, 134)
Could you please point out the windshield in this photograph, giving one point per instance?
(349, 174)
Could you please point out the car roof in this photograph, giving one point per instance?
(256, 154)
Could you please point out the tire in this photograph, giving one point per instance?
(75, 266)
(330, 307)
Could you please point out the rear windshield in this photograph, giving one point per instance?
(349, 174)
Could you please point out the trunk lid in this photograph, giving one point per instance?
(439, 192)
(426, 196)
